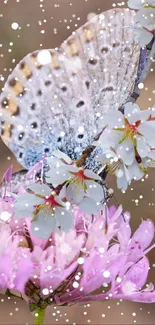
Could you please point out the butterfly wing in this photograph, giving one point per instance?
(57, 98)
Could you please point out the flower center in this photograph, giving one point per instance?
(79, 176)
(132, 128)
(129, 130)
(51, 202)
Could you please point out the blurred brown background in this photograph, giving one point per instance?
(45, 24)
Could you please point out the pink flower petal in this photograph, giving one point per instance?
(144, 234)
(137, 274)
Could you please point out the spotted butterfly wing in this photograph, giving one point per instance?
(57, 98)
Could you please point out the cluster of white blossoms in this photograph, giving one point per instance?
(128, 149)
(145, 20)
(80, 185)
(128, 143)
(51, 205)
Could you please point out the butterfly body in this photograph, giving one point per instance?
(60, 103)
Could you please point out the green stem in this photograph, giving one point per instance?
(39, 320)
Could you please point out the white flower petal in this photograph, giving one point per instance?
(89, 173)
(135, 4)
(40, 189)
(133, 113)
(61, 155)
(142, 146)
(75, 193)
(148, 131)
(25, 205)
(135, 171)
(64, 219)
(144, 115)
(122, 183)
(95, 191)
(142, 36)
(108, 157)
(89, 206)
(113, 119)
(127, 174)
(58, 200)
(57, 176)
(123, 178)
(131, 109)
(62, 193)
(109, 138)
(44, 225)
(151, 123)
(60, 174)
(126, 152)
(145, 18)
(54, 162)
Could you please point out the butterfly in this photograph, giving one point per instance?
(56, 99)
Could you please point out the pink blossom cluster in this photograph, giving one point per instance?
(100, 252)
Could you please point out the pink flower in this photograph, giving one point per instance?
(135, 247)
(121, 265)
(6, 211)
(57, 262)
(98, 253)
(15, 262)
(6, 178)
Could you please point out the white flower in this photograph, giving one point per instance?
(145, 20)
(123, 177)
(131, 134)
(80, 184)
(145, 17)
(48, 212)
(116, 166)
(125, 174)
(59, 166)
(128, 143)
(109, 137)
